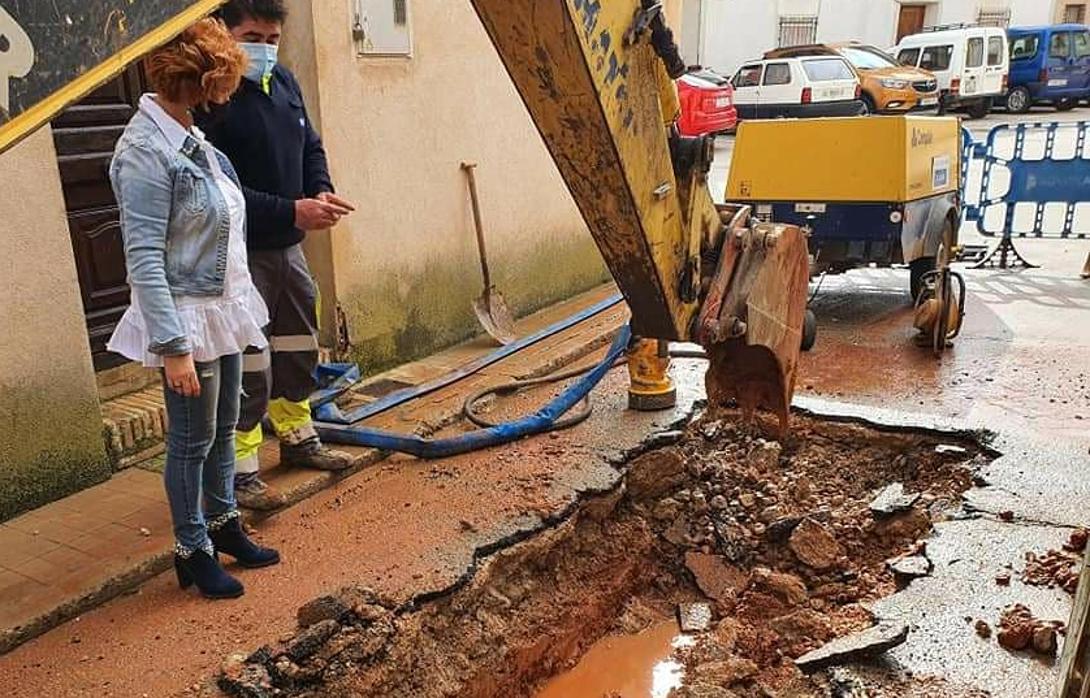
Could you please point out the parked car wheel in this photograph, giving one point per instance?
(1066, 104)
(869, 107)
(1019, 101)
(980, 108)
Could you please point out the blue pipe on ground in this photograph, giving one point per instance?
(538, 423)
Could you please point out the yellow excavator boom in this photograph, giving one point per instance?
(597, 79)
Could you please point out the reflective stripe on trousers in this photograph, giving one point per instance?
(279, 380)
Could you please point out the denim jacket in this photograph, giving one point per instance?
(175, 224)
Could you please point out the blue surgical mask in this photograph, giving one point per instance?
(262, 60)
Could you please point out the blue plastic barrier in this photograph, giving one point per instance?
(1040, 179)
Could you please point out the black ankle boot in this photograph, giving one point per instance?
(202, 569)
(232, 540)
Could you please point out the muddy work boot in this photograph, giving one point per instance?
(302, 448)
(255, 494)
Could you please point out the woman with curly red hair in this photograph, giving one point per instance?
(194, 306)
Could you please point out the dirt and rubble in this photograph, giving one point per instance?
(1058, 568)
(784, 544)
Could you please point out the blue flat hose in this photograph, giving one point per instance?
(345, 375)
(542, 421)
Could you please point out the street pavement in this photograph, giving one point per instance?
(410, 528)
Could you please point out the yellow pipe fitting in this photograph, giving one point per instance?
(650, 388)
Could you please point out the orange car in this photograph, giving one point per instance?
(888, 87)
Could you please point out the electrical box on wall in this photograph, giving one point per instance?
(382, 27)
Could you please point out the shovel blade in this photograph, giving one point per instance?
(495, 317)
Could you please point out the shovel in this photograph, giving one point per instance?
(491, 309)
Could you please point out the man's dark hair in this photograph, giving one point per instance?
(236, 12)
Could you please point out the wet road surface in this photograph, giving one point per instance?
(406, 527)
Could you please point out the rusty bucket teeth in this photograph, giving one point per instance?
(751, 322)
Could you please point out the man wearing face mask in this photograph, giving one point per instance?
(266, 133)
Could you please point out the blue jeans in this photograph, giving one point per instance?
(200, 469)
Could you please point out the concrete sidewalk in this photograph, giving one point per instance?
(60, 560)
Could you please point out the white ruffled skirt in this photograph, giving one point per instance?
(216, 328)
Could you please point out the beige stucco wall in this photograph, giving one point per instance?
(397, 129)
(51, 441)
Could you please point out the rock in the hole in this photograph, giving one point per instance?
(678, 532)
(244, 679)
(787, 587)
(863, 645)
(717, 579)
(765, 455)
(950, 450)
(664, 438)
(309, 641)
(725, 672)
(699, 689)
(694, 617)
(815, 545)
(892, 500)
(655, 474)
(906, 569)
(781, 529)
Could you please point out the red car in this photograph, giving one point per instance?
(707, 103)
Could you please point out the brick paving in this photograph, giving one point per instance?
(71, 555)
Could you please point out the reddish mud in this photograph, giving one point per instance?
(634, 666)
(778, 539)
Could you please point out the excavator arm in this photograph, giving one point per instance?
(597, 79)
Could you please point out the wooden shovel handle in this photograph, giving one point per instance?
(470, 168)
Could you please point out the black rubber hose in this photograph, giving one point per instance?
(469, 407)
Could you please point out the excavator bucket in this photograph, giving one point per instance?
(752, 318)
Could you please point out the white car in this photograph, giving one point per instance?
(972, 65)
(777, 87)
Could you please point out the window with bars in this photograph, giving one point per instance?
(1075, 14)
(798, 30)
(382, 27)
(994, 17)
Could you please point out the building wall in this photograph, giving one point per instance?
(51, 444)
(735, 31)
(405, 267)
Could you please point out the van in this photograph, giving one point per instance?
(1049, 64)
(972, 65)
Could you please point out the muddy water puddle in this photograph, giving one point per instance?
(779, 540)
(632, 666)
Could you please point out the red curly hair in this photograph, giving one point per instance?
(202, 66)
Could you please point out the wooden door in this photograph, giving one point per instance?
(911, 20)
(85, 135)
